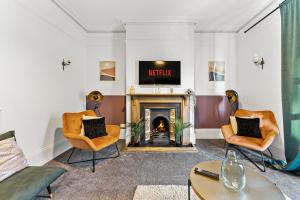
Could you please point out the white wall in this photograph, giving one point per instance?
(106, 47)
(35, 36)
(207, 47)
(165, 43)
(215, 47)
(261, 89)
(160, 42)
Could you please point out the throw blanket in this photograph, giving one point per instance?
(293, 167)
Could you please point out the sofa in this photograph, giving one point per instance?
(29, 182)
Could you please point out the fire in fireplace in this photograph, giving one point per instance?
(160, 125)
(160, 134)
(158, 119)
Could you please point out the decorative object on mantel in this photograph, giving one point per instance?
(65, 63)
(216, 70)
(233, 99)
(179, 126)
(132, 90)
(157, 89)
(191, 92)
(107, 70)
(95, 97)
(171, 90)
(137, 128)
(258, 60)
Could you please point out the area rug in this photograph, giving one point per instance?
(165, 192)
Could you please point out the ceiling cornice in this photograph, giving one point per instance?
(103, 31)
(152, 20)
(157, 20)
(216, 31)
(68, 13)
(127, 20)
(255, 16)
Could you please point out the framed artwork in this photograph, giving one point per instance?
(216, 70)
(107, 70)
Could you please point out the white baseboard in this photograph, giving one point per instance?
(208, 133)
(49, 152)
(205, 133)
(122, 134)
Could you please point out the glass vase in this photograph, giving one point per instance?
(233, 172)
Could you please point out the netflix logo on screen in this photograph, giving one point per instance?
(159, 72)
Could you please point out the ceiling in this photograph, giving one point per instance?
(209, 15)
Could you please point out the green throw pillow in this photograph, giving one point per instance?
(7, 135)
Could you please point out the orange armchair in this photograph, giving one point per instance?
(72, 124)
(269, 130)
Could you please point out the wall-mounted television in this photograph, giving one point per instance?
(159, 73)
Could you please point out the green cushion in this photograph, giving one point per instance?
(28, 182)
(6, 135)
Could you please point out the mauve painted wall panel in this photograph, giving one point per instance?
(212, 111)
(112, 108)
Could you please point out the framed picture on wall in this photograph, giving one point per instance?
(107, 70)
(216, 70)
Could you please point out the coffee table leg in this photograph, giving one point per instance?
(189, 189)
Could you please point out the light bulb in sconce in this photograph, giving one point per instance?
(258, 60)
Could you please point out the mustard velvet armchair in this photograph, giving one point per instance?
(72, 124)
(268, 128)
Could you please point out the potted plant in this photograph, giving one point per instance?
(137, 128)
(179, 126)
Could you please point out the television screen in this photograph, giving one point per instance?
(159, 72)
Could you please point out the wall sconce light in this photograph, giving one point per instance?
(258, 60)
(65, 63)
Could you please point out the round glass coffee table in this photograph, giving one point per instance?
(257, 186)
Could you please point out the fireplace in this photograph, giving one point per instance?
(160, 134)
(159, 112)
(158, 123)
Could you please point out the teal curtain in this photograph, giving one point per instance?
(290, 26)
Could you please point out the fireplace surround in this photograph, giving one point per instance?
(158, 119)
(159, 111)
